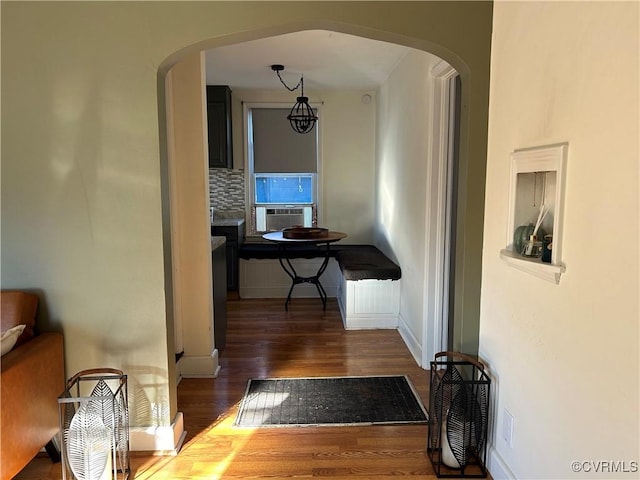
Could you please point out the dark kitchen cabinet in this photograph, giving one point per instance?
(219, 126)
(219, 268)
(235, 237)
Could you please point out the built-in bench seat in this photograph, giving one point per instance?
(366, 262)
(368, 291)
(263, 251)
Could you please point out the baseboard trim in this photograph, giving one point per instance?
(199, 366)
(497, 467)
(161, 440)
(410, 340)
(370, 322)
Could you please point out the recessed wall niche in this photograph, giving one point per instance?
(536, 196)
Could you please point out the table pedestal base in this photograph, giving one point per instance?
(296, 279)
(290, 270)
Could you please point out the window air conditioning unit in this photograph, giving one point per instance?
(274, 218)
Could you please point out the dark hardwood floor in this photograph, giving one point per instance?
(265, 341)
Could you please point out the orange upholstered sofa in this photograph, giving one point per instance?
(32, 378)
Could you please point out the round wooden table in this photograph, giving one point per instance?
(327, 239)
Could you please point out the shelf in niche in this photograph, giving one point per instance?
(537, 181)
(534, 266)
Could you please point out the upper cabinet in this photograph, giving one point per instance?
(219, 126)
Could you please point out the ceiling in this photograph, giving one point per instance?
(328, 60)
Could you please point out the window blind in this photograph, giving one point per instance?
(277, 148)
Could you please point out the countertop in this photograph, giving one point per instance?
(217, 241)
(227, 222)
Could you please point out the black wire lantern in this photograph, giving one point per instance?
(302, 117)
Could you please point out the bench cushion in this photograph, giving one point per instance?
(263, 251)
(366, 262)
(357, 262)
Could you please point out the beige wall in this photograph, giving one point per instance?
(564, 358)
(84, 152)
(348, 164)
(403, 160)
(191, 235)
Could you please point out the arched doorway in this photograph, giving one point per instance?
(421, 351)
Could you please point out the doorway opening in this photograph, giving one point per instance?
(437, 269)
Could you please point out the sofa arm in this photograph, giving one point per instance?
(32, 379)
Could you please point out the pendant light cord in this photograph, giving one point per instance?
(302, 116)
(289, 88)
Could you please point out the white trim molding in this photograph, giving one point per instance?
(248, 160)
(545, 271)
(160, 439)
(199, 366)
(438, 214)
(497, 467)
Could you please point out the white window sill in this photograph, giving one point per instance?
(534, 266)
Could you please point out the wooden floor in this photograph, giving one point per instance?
(265, 341)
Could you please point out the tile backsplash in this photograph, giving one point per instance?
(226, 190)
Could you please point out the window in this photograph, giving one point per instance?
(276, 148)
(282, 165)
(276, 188)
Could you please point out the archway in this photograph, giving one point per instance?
(450, 57)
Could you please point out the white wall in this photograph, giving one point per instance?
(347, 144)
(348, 164)
(565, 357)
(402, 161)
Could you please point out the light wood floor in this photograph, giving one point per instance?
(265, 341)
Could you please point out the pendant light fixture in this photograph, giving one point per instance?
(302, 118)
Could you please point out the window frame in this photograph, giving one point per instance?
(250, 194)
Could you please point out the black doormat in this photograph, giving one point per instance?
(333, 401)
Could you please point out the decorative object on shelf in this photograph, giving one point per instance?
(536, 201)
(520, 236)
(532, 247)
(458, 416)
(525, 242)
(94, 426)
(305, 232)
(547, 246)
(302, 117)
